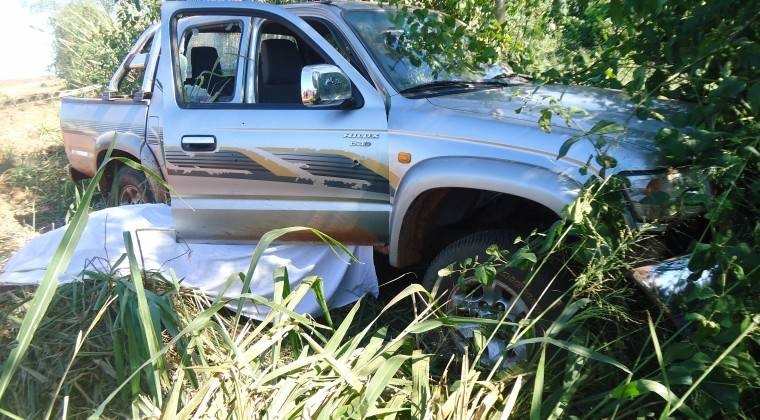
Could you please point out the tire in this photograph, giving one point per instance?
(132, 187)
(509, 291)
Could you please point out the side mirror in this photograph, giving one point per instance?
(324, 85)
(138, 61)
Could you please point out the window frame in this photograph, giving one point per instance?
(357, 62)
(112, 88)
(251, 35)
(253, 64)
(178, 35)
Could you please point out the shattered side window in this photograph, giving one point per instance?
(208, 61)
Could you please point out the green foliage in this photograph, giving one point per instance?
(518, 33)
(91, 39)
(84, 53)
(708, 55)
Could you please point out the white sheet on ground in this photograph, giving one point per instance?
(206, 267)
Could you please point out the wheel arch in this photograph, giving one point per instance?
(133, 147)
(112, 167)
(530, 190)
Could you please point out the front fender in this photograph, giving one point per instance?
(550, 189)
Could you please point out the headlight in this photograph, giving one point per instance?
(667, 196)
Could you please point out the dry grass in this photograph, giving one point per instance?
(34, 192)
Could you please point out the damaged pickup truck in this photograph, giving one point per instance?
(261, 117)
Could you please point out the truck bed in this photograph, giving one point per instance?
(89, 125)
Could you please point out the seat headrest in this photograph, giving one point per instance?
(281, 62)
(203, 59)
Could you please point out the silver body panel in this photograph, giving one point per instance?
(89, 127)
(337, 170)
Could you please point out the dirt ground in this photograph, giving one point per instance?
(32, 175)
(24, 87)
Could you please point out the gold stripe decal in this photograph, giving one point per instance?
(371, 164)
(272, 163)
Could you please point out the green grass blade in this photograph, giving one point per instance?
(10, 415)
(371, 350)
(342, 330)
(280, 309)
(146, 323)
(289, 368)
(200, 396)
(425, 326)
(198, 323)
(640, 387)
(567, 313)
(407, 292)
(266, 240)
(390, 412)
(574, 348)
(319, 293)
(420, 384)
(660, 361)
(573, 376)
(379, 382)
(169, 410)
(538, 387)
(509, 406)
(283, 399)
(342, 369)
(280, 293)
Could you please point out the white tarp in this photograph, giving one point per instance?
(203, 266)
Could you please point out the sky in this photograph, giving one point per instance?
(25, 42)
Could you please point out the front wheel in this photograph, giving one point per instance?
(509, 296)
(132, 187)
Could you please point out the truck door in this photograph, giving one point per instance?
(242, 152)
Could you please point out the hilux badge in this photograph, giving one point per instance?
(361, 136)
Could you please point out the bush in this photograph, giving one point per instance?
(90, 40)
(708, 55)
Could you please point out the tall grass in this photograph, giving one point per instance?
(138, 345)
(46, 289)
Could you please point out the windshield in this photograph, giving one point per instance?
(422, 49)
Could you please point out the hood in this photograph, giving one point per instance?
(587, 105)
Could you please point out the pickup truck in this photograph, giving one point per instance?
(261, 116)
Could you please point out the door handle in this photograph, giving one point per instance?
(198, 143)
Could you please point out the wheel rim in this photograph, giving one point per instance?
(130, 194)
(493, 302)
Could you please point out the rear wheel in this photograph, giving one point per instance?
(507, 297)
(132, 187)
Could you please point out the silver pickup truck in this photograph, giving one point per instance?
(262, 116)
